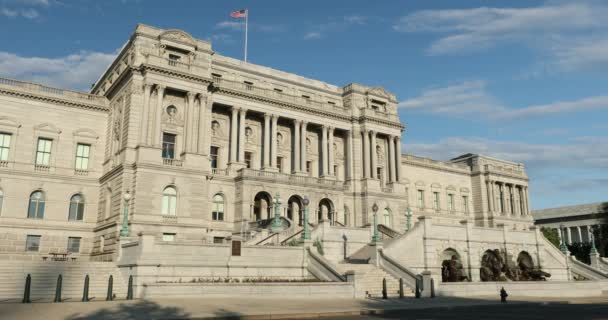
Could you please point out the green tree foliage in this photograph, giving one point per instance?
(551, 235)
(580, 251)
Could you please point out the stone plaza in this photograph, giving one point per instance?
(196, 174)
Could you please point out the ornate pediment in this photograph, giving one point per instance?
(47, 127)
(85, 133)
(380, 92)
(177, 36)
(9, 122)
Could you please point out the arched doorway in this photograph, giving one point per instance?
(387, 218)
(451, 267)
(326, 211)
(262, 204)
(294, 209)
(491, 266)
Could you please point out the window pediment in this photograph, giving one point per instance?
(85, 133)
(9, 122)
(47, 127)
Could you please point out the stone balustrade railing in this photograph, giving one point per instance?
(220, 172)
(290, 178)
(508, 170)
(40, 89)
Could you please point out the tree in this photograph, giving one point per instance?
(600, 234)
(551, 235)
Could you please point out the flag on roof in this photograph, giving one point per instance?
(239, 13)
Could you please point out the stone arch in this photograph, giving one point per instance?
(295, 208)
(262, 204)
(452, 269)
(326, 210)
(386, 217)
(491, 266)
(525, 261)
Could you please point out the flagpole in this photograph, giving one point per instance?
(246, 22)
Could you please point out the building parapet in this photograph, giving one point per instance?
(292, 179)
(435, 164)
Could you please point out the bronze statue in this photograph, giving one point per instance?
(452, 270)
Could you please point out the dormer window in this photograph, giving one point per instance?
(248, 85)
(216, 77)
(378, 105)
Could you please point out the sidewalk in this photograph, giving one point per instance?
(223, 308)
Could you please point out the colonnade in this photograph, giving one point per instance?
(568, 236)
(370, 156)
(507, 198)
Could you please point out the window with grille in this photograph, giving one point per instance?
(168, 236)
(35, 209)
(168, 146)
(169, 201)
(420, 199)
(74, 244)
(436, 200)
(76, 208)
(213, 154)
(451, 202)
(43, 153)
(217, 213)
(280, 164)
(82, 156)
(32, 243)
(5, 145)
(465, 204)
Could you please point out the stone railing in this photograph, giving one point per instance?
(220, 172)
(3, 164)
(389, 232)
(42, 168)
(387, 189)
(169, 219)
(40, 89)
(288, 178)
(435, 163)
(81, 172)
(278, 95)
(172, 162)
(379, 114)
(507, 170)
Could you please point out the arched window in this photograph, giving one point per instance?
(217, 213)
(35, 209)
(76, 208)
(169, 201)
(386, 217)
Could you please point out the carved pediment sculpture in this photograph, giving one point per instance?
(177, 35)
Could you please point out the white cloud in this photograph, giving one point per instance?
(335, 25)
(312, 35)
(471, 98)
(25, 13)
(75, 71)
(582, 152)
(231, 25)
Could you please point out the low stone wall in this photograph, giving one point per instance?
(279, 290)
(547, 289)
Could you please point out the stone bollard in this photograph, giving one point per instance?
(432, 288)
(401, 295)
(26, 292)
(130, 288)
(110, 295)
(58, 289)
(384, 291)
(85, 291)
(503, 295)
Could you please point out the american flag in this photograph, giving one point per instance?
(239, 13)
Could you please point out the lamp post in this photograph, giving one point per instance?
(592, 238)
(375, 237)
(124, 231)
(306, 232)
(276, 222)
(562, 246)
(408, 219)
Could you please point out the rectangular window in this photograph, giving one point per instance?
(169, 146)
(5, 145)
(465, 204)
(280, 164)
(309, 167)
(436, 200)
(82, 156)
(335, 170)
(378, 173)
(248, 159)
(168, 236)
(218, 240)
(174, 57)
(74, 244)
(451, 202)
(43, 153)
(32, 243)
(420, 199)
(248, 85)
(213, 153)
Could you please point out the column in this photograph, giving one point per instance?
(349, 156)
(296, 146)
(374, 156)
(522, 201)
(189, 145)
(233, 134)
(266, 145)
(241, 147)
(324, 171)
(366, 155)
(398, 166)
(569, 233)
(203, 123)
(303, 147)
(273, 138)
(145, 114)
(508, 196)
(559, 233)
(501, 196)
(490, 196)
(526, 206)
(330, 152)
(391, 158)
(580, 234)
(158, 115)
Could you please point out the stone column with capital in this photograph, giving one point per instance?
(241, 145)
(303, 147)
(204, 124)
(324, 150)
(296, 146)
(349, 156)
(189, 145)
(145, 113)
(374, 156)
(526, 196)
(273, 141)
(330, 152)
(157, 133)
(266, 147)
(233, 134)
(398, 166)
(391, 158)
(366, 154)
(490, 196)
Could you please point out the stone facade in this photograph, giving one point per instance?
(205, 144)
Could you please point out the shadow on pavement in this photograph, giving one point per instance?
(139, 310)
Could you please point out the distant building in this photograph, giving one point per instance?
(576, 221)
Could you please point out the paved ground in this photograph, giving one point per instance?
(259, 308)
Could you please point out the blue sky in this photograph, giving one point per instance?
(524, 81)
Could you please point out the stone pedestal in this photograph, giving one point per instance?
(236, 166)
(375, 256)
(426, 284)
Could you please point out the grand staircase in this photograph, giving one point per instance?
(44, 279)
(368, 280)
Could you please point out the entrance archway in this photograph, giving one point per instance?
(262, 204)
(326, 211)
(294, 209)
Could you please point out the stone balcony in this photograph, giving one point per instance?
(247, 174)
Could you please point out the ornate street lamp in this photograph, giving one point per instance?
(124, 231)
(306, 232)
(408, 219)
(562, 246)
(375, 237)
(276, 222)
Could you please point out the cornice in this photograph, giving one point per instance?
(436, 167)
(54, 100)
(145, 67)
(396, 125)
(54, 176)
(502, 175)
